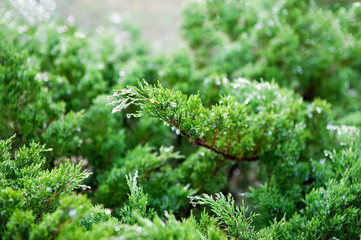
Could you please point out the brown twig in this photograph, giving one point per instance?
(219, 165)
(201, 142)
(241, 156)
(224, 154)
(145, 139)
(173, 122)
(109, 157)
(229, 144)
(215, 138)
(60, 227)
(39, 216)
(256, 149)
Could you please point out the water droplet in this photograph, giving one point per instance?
(173, 104)
(177, 132)
(48, 189)
(174, 128)
(168, 149)
(115, 18)
(152, 100)
(298, 70)
(128, 115)
(72, 213)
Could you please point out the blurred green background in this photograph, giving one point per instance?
(158, 20)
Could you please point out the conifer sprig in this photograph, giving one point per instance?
(227, 214)
(230, 128)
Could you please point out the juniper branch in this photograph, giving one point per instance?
(218, 128)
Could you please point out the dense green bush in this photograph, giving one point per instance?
(195, 150)
(296, 43)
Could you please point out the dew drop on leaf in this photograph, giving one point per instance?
(72, 213)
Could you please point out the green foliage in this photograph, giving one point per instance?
(40, 188)
(56, 74)
(229, 128)
(19, 226)
(297, 44)
(228, 215)
(245, 126)
(171, 229)
(72, 216)
(22, 96)
(137, 202)
(205, 171)
(285, 160)
(62, 134)
(332, 208)
(273, 152)
(161, 183)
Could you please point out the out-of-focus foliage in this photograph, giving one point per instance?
(295, 43)
(266, 158)
(161, 182)
(54, 83)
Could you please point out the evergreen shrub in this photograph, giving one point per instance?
(251, 131)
